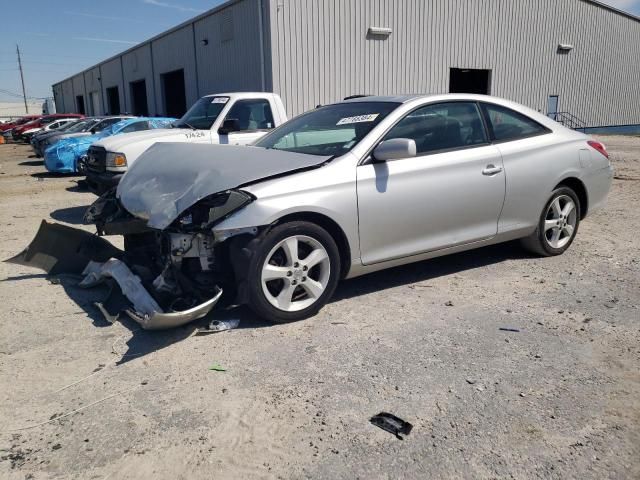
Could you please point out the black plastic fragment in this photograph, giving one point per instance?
(59, 249)
(392, 424)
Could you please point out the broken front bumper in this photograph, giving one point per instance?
(58, 249)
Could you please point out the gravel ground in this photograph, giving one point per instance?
(560, 398)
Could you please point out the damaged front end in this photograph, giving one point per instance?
(170, 277)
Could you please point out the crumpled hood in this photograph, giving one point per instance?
(117, 142)
(170, 177)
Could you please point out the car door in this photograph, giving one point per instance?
(253, 118)
(450, 193)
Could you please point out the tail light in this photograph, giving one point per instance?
(599, 147)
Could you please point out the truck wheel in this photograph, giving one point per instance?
(293, 272)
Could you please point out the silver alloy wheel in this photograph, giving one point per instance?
(291, 283)
(560, 221)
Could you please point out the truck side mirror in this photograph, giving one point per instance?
(229, 125)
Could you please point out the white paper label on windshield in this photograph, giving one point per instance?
(358, 119)
(219, 100)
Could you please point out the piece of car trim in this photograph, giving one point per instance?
(160, 320)
(146, 310)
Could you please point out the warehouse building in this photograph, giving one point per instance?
(577, 60)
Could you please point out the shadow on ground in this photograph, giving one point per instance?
(45, 175)
(429, 269)
(71, 215)
(143, 342)
(32, 163)
(80, 186)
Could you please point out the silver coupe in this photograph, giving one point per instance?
(344, 190)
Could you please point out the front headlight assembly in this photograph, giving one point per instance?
(115, 159)
(212, 209)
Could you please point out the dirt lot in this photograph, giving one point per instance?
(559, 399)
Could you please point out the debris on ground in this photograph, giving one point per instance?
(216, 326)
(507, 329)
(392, 424)
(217, 367)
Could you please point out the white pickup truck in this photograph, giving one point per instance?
(225, 118)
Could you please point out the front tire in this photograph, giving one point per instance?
(293, 272)
(557, 226)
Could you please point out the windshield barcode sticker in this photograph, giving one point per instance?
(219, 100)
(358, 119)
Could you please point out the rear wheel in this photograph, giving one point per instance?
(293, 272)
(558, 224)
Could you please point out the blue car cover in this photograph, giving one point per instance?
(63, 156)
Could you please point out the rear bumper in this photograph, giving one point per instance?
(598, 186)
(99, 183)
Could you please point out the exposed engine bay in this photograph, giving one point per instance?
(170, 277)
(174, 267)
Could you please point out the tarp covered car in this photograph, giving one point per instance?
(65, 155)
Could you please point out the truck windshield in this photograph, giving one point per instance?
(328, 131)
(203, 113)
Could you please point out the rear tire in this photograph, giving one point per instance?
(557, 226)
(293, 271)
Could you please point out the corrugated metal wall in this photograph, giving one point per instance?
(92, 88)
(318, 51)
(111, 75)
(174, 52)
(137, 65)
(78, 89)
(321, 53)
(231, 58)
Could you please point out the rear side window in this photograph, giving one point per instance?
(508, 124)
(252, 114)
(442, 126)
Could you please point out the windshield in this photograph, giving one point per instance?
(203, 113)
(328, 131)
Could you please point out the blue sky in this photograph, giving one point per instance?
(60, 38)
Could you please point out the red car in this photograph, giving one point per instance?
(40, 122)
(20, 121)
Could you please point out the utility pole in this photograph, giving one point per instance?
(24, 93)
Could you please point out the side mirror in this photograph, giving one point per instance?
(93, 131)
(228, 126)
(395, 149)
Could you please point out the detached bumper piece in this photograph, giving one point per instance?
(146, 310)
(58, 249)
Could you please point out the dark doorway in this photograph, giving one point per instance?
(80, 104)
(467, 80)
(175, 100)
(139, 98)
(113, 101)
(552, 107)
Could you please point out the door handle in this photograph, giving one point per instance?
(491, 170)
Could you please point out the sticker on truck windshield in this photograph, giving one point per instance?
(220, 100)
(358, 119)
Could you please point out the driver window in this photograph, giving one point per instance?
(442, 126)
(252, 115)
